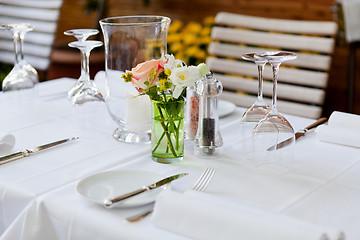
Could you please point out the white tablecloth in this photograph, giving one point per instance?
(39, 198)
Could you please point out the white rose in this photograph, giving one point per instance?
(183, 77)
(171, 62)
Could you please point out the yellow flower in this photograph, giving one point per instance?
(205, 40)
(189, 42)
(191, 51)
(167, 71)
(175, 47)
(201, 54)
(190, 39)
(162, 84)
(205, 31)
(180, 55)
(193, 27)
(175, 26)
(209, 20)
(174, 37)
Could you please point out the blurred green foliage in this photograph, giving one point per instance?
(4, 71)
(91, 6)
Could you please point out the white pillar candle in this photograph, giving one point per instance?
(138, 112)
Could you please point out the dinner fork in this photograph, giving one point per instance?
(200, 186)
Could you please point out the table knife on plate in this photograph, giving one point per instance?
(30, 151)
(298, 134)
(109, 203)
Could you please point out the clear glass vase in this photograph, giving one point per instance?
(167, 140)
(130, 40)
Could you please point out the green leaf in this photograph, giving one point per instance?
(171, 127)
(153, 93)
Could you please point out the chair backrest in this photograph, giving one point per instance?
(43, 16)
(302, 82)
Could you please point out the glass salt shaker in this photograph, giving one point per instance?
(208, 140)
(192, 112)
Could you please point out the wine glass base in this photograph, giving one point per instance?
(17, 79)
(88, 95)
(132, 137)
(30, 71)
(75, 88)
(255, 113)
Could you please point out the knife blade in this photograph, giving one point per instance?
(27, 152)
(109, 203)
(298, 134)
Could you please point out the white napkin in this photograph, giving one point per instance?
(100, 76)
(197, 216)
(7, 142)
(351, 12)
(342, 128)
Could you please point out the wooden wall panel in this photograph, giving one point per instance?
(72, 16)
(198, 9)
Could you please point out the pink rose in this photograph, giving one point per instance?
(146, 74)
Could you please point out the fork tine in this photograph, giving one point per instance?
(201, 179)
(204, 180)
(207, 180)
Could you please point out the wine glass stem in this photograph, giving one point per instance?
(275, 69)
(85, 64)
(16, 47)
(260, 67)
(21, 43)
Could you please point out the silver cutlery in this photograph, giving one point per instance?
(298, 134)
(109, 203)
(140, 216)
(200, 186)
(202, 183)
(27, 152)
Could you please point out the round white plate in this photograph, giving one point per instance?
(105, 185)
(225, 108)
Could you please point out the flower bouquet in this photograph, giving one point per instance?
(165, 80)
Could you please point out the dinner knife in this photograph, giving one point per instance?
(298, 134)
(30, 151)
(109, 203)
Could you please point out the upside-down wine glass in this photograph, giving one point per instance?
(81, 35)
(89, 104)
(274, 127)
(87, 92)
(28, 68)
(255, 112)
(23, 75)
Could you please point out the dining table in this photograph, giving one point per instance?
(40, 196)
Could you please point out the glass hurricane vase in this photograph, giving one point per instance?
(130, 40)
(167, 139)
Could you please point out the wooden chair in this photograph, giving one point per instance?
(43, 16)
(302, 82)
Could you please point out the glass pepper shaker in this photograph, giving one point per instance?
(208, 140)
